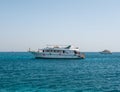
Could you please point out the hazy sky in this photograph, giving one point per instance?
(92, 25)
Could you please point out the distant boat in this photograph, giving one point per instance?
(58, 52)
(106, 52)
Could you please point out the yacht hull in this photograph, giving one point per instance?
(56, 56)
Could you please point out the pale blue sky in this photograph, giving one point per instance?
(92, 25)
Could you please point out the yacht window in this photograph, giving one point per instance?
(75, 52)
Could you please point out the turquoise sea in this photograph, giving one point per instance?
(20, 72)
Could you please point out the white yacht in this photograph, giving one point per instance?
(106, 52)
(58, 52)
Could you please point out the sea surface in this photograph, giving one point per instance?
(20, 72)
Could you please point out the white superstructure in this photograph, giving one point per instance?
(58, 52)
